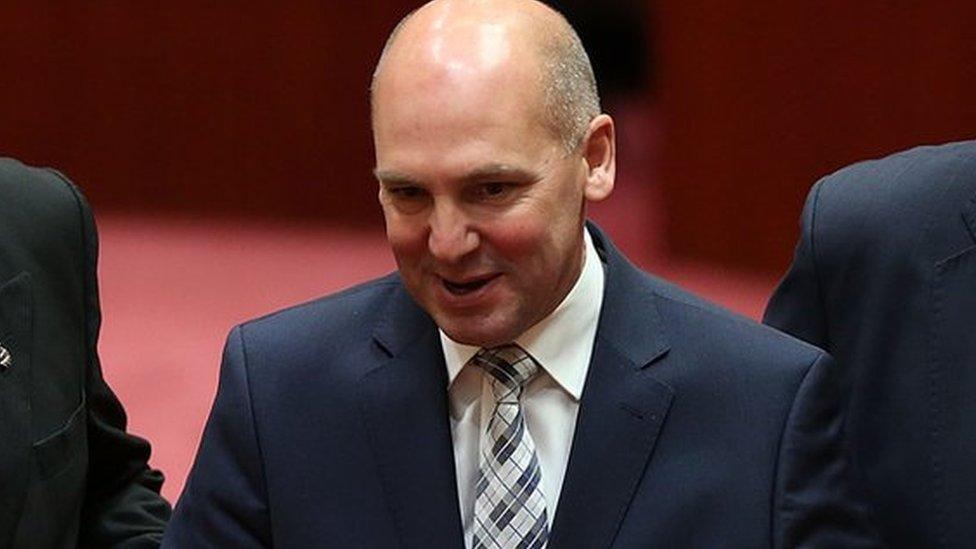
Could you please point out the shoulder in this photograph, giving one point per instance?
(730, 367)
(44, 219)
(908, 185)
(39, 190)
(326, 344)
(39, 197)
(905, 170)
(342, 317)
(905, 206)
(719, 339)
(643, 311)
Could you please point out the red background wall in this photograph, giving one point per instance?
(762, 98)
(260, 108)
(198, 107)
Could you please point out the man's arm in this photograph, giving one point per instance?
(224, 503)
(815, 503)
(122, 506)
(814, 444)
(797, 306)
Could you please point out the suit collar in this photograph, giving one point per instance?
(629, 320)
(403, 321)
(622, 410)
(562, 342)
(404, 403)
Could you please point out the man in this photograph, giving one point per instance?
(517, 383)
(70, 476)
(884, 278)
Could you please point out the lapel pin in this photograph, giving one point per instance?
(5, 359)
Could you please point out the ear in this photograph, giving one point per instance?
(599, 150)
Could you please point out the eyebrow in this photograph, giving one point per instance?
(488, 172)
(391, 176)
(499, 171)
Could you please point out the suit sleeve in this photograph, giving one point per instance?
(815, 503)
(224, 503)
(122, 505)
(797, 305)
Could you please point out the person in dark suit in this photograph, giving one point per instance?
(517, 383)
(70, 475)
(884, 278)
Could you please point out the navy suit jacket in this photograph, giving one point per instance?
(884, 278)
(696, 428)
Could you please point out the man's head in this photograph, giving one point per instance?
(488, 143)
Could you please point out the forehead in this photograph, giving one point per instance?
(426, 115)
(490, 75)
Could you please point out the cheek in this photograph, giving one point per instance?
(524, 242)
(539, 244)
(407, 241)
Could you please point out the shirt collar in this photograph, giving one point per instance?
(563, 341)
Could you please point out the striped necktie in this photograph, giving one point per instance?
(509, 508)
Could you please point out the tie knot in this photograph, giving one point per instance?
(510, 368)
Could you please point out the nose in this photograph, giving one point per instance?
(451, 235)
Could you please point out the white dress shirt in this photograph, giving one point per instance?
(562, 344)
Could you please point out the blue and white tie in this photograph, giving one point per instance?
(509, 507)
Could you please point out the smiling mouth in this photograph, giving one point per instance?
(464, 288)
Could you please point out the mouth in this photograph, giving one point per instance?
(467, 286)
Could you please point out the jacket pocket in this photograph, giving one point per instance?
(56, 451)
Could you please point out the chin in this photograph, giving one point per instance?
(476, 335)
(472, 338)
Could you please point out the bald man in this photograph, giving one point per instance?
(517, 383)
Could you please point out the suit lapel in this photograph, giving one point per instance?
(406, 411)
(15, 331)
(969, 216)
(952, 377)
(621, 413)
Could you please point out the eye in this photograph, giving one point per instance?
(406, 192)
(407, 199)
(493, 190)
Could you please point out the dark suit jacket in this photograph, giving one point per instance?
(696, 429)
(884, 278)
(69, 474)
